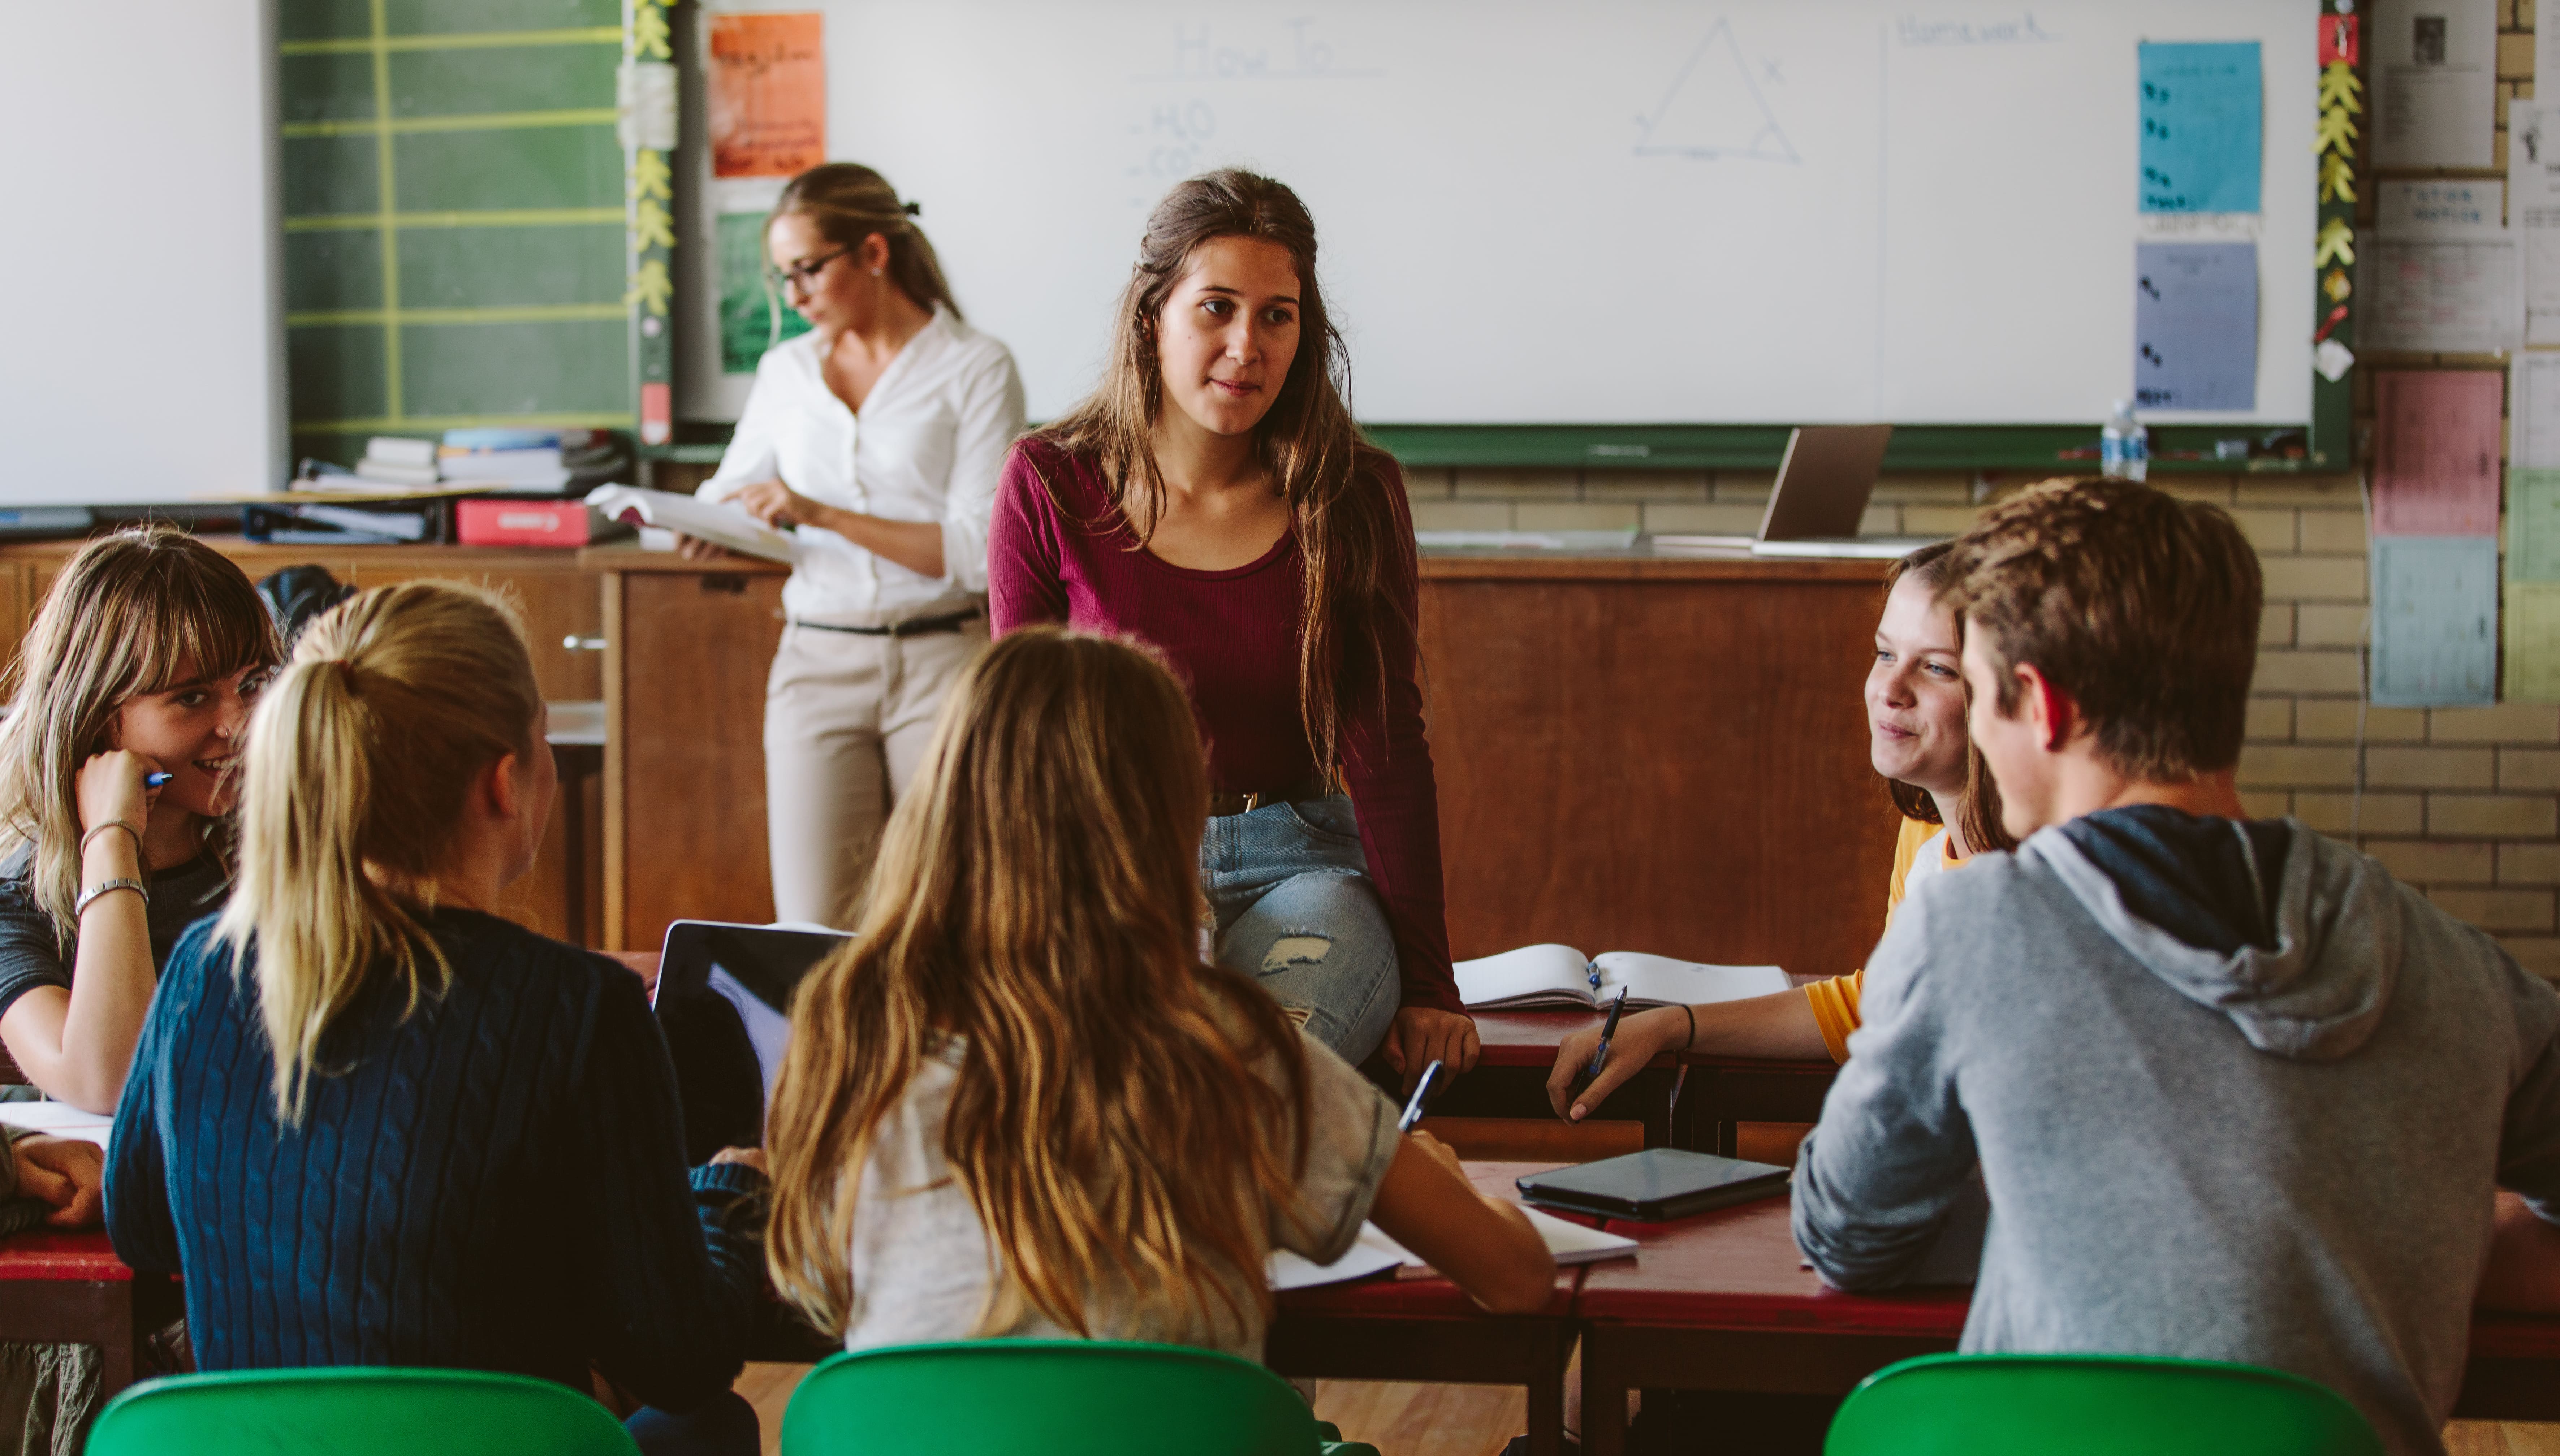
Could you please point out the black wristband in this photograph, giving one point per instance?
(1692, 1027)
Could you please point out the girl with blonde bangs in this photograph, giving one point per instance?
(145, 658)
(1020, 1104)
(374, 1123)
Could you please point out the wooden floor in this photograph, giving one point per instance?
(1402, 1419)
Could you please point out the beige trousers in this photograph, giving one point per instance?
(846, 718)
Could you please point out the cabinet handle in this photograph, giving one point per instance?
(576, 643)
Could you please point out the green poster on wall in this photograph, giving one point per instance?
(745, 309)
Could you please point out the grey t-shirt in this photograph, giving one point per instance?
(30, 956)
(923, 1269)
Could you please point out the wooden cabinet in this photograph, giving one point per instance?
(688, 653)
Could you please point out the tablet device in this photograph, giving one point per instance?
(753, 968)
(1655, 1184)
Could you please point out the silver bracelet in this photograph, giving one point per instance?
(113, 824)
(110, 886)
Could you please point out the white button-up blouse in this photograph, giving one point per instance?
(928, 446)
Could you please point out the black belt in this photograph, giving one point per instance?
(912, 627)
(1222, 802)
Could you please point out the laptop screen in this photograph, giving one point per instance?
(752, 968)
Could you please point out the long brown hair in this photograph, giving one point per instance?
(850, 201)
(362, 755)
(127, 614)
(1350, 537)
(1037, 897)
(1980, 821)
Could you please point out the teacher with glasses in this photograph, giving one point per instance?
(876, 437)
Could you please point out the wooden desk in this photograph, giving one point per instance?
(71, 1289)
(1718, 1093)
(1426, 1329)
(1722, 1302)
(1509, 1081)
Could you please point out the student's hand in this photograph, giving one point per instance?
(695, 549)
(752, 1157)
(64, 1173)
(110, 788)
(779, 506)
(1640, 1038)
(1423, 1034)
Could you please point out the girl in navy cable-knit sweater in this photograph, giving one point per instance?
(375, 1124)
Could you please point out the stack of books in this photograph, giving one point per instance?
(562, 460)
(398, 460)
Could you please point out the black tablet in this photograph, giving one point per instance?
(754, 968)
(1655, 1184)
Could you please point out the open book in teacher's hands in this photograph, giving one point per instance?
(1539, 976)
(721, 525)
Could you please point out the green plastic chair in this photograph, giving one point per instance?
(356, 1411)
(2092, 1406)
(1052, 1398)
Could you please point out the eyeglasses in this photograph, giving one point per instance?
(805, 273)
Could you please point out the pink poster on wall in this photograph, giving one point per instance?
(2436, 451)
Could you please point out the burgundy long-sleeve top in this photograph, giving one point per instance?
(1233, 638)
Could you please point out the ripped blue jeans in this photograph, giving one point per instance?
(1295, 910)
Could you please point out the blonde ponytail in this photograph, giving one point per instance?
(360, 758)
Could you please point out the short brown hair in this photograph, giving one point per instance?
(2143, 608)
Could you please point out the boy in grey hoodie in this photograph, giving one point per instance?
(2233, 1092)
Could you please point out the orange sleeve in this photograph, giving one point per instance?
(1834, 1001)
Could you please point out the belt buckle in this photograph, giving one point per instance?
(1253, 801)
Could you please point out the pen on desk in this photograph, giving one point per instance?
(1421, 1095)
(1616, 1007)
(154, 780)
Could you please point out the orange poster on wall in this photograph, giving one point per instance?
(768, 94)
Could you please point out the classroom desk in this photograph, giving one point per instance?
(1722, 1302)
(61, 1288)
(1426, 1329)
(1509, 1079)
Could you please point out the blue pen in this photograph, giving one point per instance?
(154, 780)
(1421, 1094)
(1600, 1059)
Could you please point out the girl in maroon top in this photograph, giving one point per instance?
(1214, 500)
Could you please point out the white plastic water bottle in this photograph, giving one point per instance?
(2124, 447)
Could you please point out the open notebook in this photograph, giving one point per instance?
(1559, 976)
(1375, 1253)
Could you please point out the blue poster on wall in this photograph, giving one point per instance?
(2201, 127)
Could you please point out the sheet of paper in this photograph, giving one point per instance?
(1371, 1253)
(2533, 525)
(2436, 451)
(2438, 297)
(62, 1119)
(2202, 128)
(1578, 1244)
(2434, 620)
(2458, 211)
(2546, 59)
(2195, 325)
(2534, 203)
(2534, 412)
(2533, 641)
(2434, 66)
(767, 94)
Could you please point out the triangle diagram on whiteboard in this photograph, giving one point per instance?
(1712, 109)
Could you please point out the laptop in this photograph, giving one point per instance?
(755, 969)
(1824, 483)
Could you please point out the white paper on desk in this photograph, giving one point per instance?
(2533, 201)
(2533, 410)
(719, 525)
(1371, 1253)
(62, 1119)
(1576, 1244)
(2435, 81)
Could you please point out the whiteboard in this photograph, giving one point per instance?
(1613, 212)
(141, 320)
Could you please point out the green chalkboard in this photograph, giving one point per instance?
(454, 241)
(747, 307)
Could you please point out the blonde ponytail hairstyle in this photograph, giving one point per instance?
(1114, 1122)
(361, 756)
(134, 613)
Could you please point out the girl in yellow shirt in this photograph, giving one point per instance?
(1915, 719)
